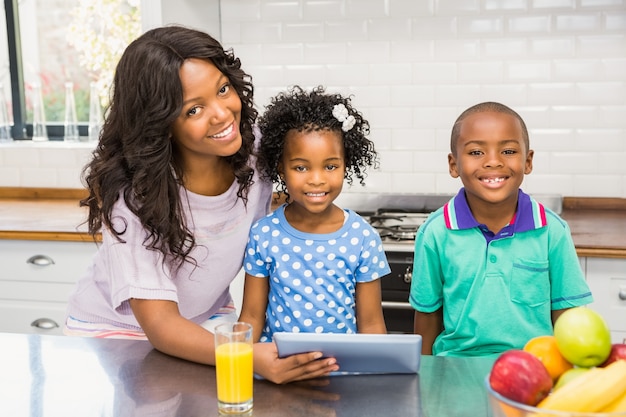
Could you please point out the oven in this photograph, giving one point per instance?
(397, 229)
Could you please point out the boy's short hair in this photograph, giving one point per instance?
(488, 106)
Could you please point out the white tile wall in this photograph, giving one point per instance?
(413, 66)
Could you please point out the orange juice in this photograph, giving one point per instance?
(233, 363)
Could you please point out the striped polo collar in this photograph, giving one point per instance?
(530, 213)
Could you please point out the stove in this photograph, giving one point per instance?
(397, 229)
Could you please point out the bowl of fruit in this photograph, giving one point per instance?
(576, 372)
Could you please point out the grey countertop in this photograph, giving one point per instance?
(68, 376)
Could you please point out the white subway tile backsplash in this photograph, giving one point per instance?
(505, 5)
(255, 32)
(365, 8)
(457, 7)
(411, 51)
(283, 53)
(578, 22)
(480, 26)
(574, 116)
(412, 67)
(403, 8)
(457, 95)
(240, 11)
(601, 93)
(412, 182)
(435, 27)
(389, 29)
(573, 163)
(544, 141)
(346, 30)
(457, 49)
(615, 21)
(434, 72)
(553, 4)
(577, 69)
(551, 48)
(551, 93)
(528, 71)
(323, 9)
(303, 32)
(597, 185)
(413, 95)
(512, 95)
(327, 52)
(282, 10)
(535, 24)
(505, 48)
(600, 140)
(613, 69)
(390, 74)
(601, 46)
(413, 139)
(488, 72)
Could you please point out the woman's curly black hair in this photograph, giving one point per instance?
(136, 156)
(300, 110)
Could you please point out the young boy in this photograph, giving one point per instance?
(493, 267)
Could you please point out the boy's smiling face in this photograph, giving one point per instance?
(491, 158)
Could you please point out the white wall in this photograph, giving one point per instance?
(413, 66)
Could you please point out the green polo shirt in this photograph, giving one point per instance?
(497, 291)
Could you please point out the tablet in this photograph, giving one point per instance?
(358, 353)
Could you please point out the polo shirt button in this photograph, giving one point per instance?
(493, 259)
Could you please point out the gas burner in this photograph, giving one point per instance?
(397, 225)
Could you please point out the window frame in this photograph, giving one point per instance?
(22, 130)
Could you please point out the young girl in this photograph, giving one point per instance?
(311, 266)
(172, 189)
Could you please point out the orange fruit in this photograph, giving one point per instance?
(546, 349)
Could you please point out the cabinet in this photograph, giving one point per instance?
(36, 280)
(607, 279)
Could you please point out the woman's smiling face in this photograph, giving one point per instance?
(491, 157)
(209, 122)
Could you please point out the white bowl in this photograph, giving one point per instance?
(503, 407)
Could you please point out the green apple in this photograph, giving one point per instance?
(583, 337)
(568, 376)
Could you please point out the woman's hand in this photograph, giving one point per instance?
(292, 368)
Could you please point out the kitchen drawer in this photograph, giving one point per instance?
(607, 279)
(32, 317)
(44, 261)
(35, 291)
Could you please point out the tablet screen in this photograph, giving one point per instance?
(358, 353)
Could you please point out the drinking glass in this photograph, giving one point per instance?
(40, 132)
(70, 132)
(5, 123)
(95, 113)
(233, 363)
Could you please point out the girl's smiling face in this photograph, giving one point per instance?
(313, 169)
(491, 158)
(209, 122)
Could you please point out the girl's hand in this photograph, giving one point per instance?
(293, 368)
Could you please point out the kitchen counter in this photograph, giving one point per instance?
(598, 225)
(72, 376)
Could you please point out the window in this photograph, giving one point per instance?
(52, 42)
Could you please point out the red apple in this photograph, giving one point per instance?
(520, 376)
(618, 351)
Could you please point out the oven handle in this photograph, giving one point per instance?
(396, 305)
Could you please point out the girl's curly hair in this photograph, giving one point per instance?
(300, 110)
(136, 156)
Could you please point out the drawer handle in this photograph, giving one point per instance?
(396, 305)
(40, 260)
(44, 323)
(622, 294)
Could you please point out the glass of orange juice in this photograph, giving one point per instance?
(233, 367)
